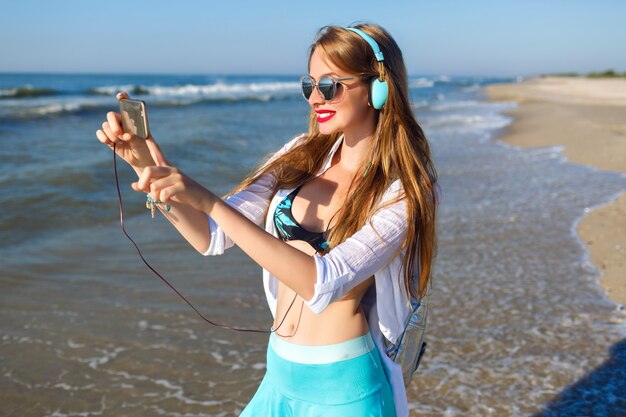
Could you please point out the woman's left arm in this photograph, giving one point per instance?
(291, 266)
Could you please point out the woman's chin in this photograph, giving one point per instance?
(325, 129)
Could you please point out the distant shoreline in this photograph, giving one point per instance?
(588, 117)
(604, 74)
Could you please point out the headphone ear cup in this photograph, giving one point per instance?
(378, 93)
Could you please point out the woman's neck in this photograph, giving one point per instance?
(354, 152)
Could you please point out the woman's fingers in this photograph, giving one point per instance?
(167, 184)
(115, 120)
(121, 95)
(150, 175)
(165, 188)
(115, 123)
(143, 183)
(162, 183)
(102, 137)
(106, 128)
(135, 186)
(156, 152)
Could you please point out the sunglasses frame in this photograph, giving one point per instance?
(315, 85)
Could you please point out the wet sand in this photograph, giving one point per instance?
(588, 118)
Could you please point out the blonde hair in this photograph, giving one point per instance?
(401, 151)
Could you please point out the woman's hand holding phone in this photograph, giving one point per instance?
(137, 152)
(156, 176)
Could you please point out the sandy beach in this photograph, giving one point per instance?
(587, 117)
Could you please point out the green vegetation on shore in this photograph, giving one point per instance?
(610, 73)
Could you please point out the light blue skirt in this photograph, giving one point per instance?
(339, 380)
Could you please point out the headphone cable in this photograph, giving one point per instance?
(238, 329)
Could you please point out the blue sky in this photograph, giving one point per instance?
(501, 38)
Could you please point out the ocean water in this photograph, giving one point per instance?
(518, 327)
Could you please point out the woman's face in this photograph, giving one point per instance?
(348, 111)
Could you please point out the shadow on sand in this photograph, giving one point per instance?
(600, 393)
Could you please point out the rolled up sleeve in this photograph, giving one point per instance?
(360, 256)
(252, 202)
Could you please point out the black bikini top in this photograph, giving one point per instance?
(290, 229)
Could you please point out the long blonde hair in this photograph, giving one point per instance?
(400, 151)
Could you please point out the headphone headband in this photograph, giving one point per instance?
(377, 52)
(379, 89)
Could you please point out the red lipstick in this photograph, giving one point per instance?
(324, 115)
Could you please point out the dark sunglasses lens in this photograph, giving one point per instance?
(307, 87)
(327, 88)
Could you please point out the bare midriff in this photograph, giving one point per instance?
(340, 321)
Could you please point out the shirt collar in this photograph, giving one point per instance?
(329, 158)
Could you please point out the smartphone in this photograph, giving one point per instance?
(135, 117)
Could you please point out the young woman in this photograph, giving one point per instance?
(348, 211)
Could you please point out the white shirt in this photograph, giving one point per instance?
(370, 251)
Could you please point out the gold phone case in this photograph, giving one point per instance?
(134, 117)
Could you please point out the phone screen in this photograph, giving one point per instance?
(134, 117)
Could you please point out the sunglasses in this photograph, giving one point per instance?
(326, 86)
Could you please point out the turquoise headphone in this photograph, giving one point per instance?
(378, 88)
